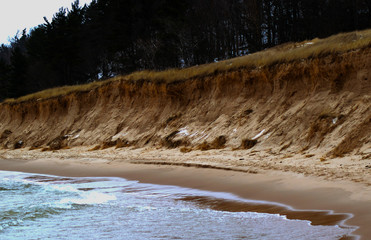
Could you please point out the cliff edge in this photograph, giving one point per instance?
(318, 105)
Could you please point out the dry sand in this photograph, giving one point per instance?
(304, 184)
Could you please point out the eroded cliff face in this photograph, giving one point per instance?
(310, 106)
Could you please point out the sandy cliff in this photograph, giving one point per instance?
(318, 105)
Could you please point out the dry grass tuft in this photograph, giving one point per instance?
(5, 135)
(219, 142)
(186, 149)
(248, 112)
(97, 147)
(327, 114)
(203, 146)
(46, 149)
(18, 144)
(59, 91)
(169, 141)
(108, 144)
(248, 143)
(121, 143)
(58, 143)
(288, 52)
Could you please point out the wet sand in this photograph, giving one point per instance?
(297, 194)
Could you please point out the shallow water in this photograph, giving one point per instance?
(34, 206)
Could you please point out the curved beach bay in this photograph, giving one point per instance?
(293, 196)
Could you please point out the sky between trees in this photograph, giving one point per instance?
(16, 15)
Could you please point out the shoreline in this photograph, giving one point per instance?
(300, 192)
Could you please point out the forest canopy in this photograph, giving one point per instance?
(112, 37)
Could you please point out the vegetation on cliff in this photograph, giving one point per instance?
(286, 53)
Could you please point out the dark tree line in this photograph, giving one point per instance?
(110, 37)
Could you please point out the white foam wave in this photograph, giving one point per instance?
(88, 198)
(63, 188)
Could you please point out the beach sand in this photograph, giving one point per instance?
(316, 188)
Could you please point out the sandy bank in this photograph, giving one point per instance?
(317, 106)
(225, 171)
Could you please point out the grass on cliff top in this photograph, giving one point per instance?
(288, 52)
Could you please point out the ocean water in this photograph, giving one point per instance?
(34, 206)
